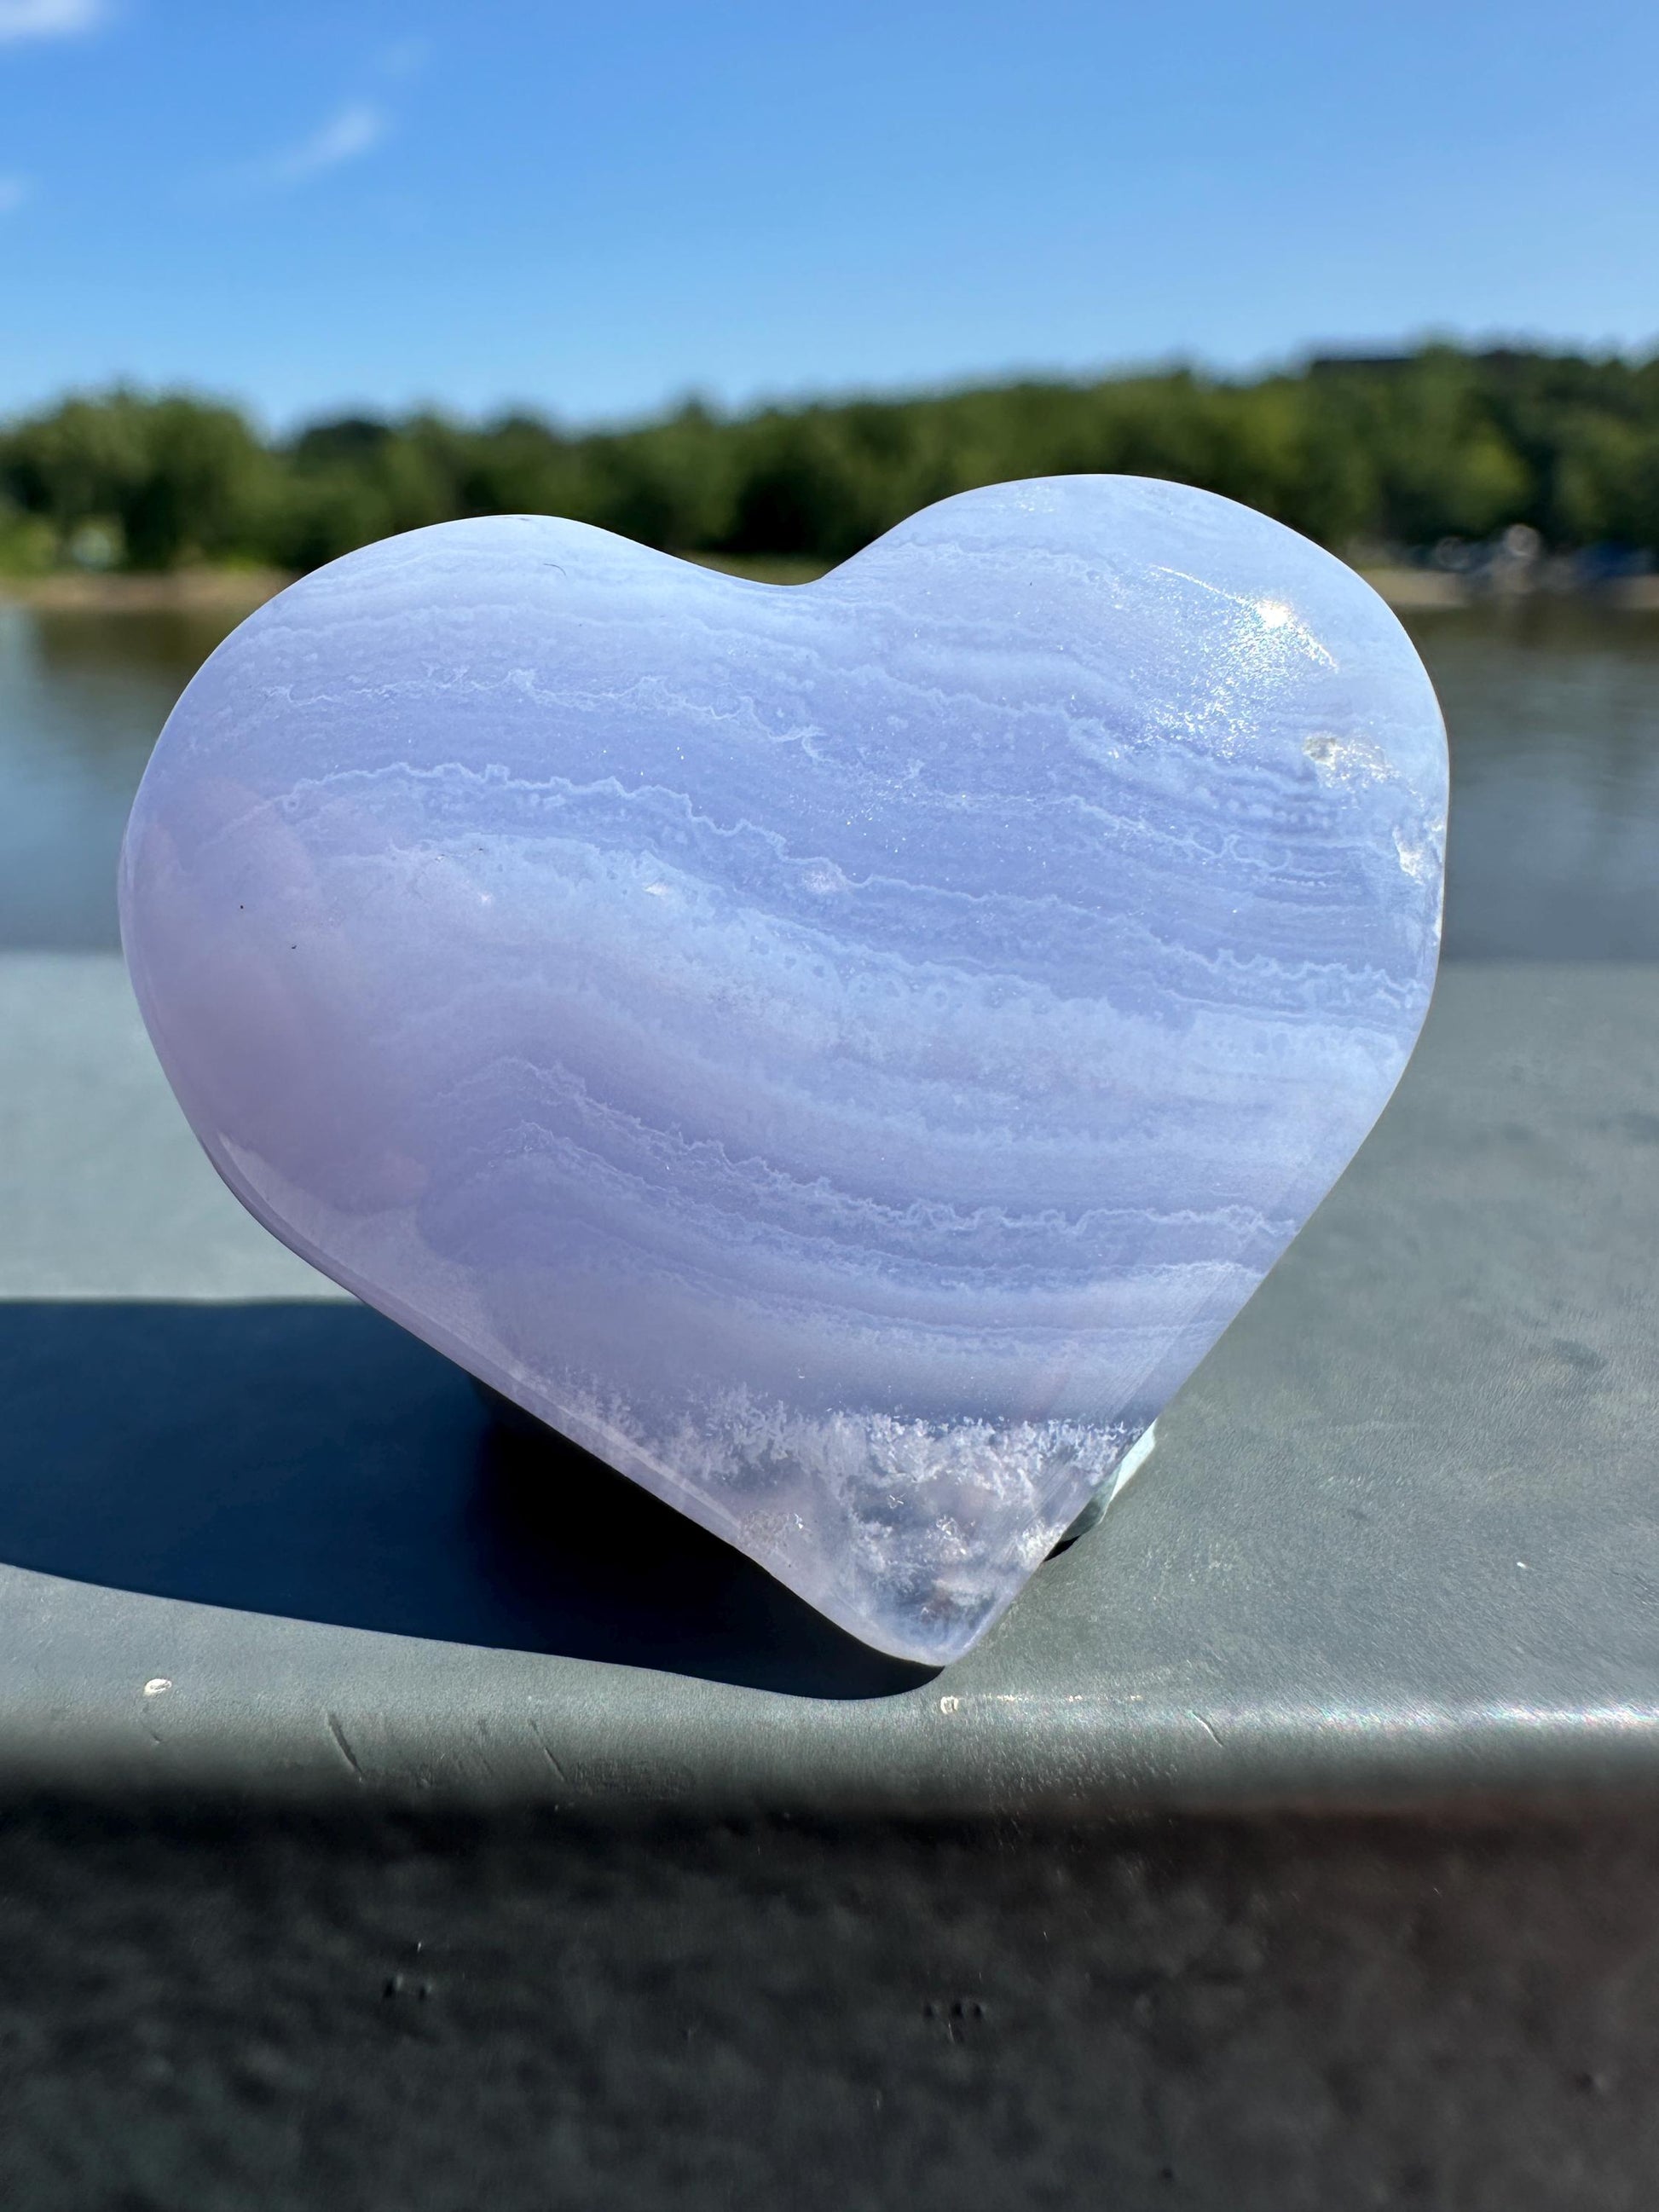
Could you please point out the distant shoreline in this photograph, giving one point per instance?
(184, 592)
(233, 592)
(1421, 590)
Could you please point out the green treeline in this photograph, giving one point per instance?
(1377, 454)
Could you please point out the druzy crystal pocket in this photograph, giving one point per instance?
(841, 1053)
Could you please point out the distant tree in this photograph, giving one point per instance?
(1406, 449)
(177, 477)
(1443, 465)
(1606, 482)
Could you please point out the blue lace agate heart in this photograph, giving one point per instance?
(841, 1053)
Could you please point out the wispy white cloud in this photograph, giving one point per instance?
(354, 131)
(14, 191)
(49, 18)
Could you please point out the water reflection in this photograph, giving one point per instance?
(81, 698)
(1553, 706)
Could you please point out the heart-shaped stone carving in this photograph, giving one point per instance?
(841, 1053)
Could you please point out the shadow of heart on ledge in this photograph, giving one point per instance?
(315, 1461)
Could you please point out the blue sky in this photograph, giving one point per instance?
(595, 210)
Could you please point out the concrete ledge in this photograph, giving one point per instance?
(1399, 1546)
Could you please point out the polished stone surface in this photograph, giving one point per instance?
(841, 1053)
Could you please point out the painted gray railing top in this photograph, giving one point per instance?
(1400, 1541)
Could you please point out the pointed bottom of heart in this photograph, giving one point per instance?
(913, 1536)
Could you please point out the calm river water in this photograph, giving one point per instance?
(1553, 706)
